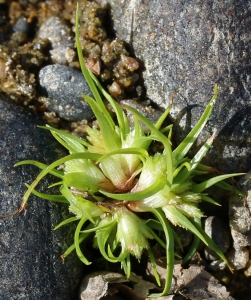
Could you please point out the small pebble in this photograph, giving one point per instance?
(59, 34)
(217, 265)
(238, 258)
(219, 232)
(240, 214)
(23, 26)
(64, 86)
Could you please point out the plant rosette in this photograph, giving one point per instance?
(110, 177)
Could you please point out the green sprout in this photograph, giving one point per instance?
(110, 177)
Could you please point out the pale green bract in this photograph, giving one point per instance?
(110, 177)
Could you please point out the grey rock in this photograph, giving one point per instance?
(60, 36)
(247, 271)
(240, 214)
(219, 232)
(63, 87)
(31, 267)
(185, 236)
(217, 265)
(196, 283)
(187, 47)
(238, 258)
(23, 26)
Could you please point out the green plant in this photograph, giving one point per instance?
(110, 177)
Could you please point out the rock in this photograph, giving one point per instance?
(238, 258)
(187, 47)
(217, 265)
(31, 267)
(247, 271)
(64, 86)
(240, 214)
(195, 283)
(219, 232)
(60, 36)
(23, 26)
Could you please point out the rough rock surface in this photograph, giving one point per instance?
(187, 47)
(31, 267)
(64, 86)
(60, 36)
(240, 224)
(240, 214)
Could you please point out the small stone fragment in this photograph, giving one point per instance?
(22, 26)
(59, 34)
(247, 271)
(219, 232)
(195, 283)
(240, 214)
(238, 258)
(64, 87)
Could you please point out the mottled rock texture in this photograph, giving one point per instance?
(63, 87)
(187, 47)
(31, 267)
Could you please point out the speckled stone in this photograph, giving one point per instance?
(60, 36)
(238, 258)
(31, 267)
(63, 87)
(187, 47)
(219, 232)
(240, 214)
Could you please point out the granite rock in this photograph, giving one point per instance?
(60, 37)
(31, 267)
(187, 47)
(63, 87)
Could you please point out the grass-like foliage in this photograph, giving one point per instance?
(109, 178)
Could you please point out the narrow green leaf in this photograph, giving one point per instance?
(67, 221)
(102, 236)
(73, 141)
(208, 199)
(48, 169)
(160, 137)
(77, 242)
(154, 266)
(181, 151)
(210, 242)
(111, 139)
(55, 198)
(81, 238)
(182, 221)
(89, 77)
(122, 119)
(225, 186)
(186, 173)
(98, 228)
(169, 252)
(42, 166)
(198, 188)
(195, 244)
(163, 117)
